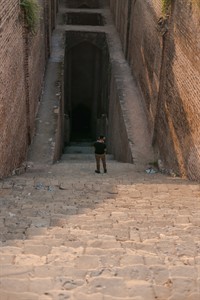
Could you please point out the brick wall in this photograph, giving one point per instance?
(164, 57)
(35, 51)
(138, 20)
(22, 65)
(179, 106)
(13, 123)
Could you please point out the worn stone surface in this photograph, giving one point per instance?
(106, 246)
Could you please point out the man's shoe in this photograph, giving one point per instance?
(96, 171)
(105, 171)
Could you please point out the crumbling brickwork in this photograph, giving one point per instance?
(22, 66)
(164, 56)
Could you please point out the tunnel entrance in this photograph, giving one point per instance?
(86, 85)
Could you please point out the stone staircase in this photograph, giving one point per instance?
(77, 151)
(68, 233)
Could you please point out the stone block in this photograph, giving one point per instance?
(134, 272)
(14, 285)
(39, 250)
(15, 271)
(87, 262)
(6, 259)
(33, 260)
(137, 288)
(130, 260)
(184, 286)
(40, 285)
(160, 274)
(8, 295)
(108, 286)
(161, 292)
(184, 271)
(11, 250)
(82, 296)
(67, 283)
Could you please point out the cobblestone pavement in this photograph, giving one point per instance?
(68, 233)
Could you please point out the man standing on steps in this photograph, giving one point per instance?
(100, 153)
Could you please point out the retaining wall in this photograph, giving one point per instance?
(23, 59)
(164, 57)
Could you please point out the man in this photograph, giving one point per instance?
(100, 153)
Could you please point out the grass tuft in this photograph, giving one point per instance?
(166, 4)
(32, 13)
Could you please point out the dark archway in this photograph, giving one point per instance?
(86, 86)
(83, 89)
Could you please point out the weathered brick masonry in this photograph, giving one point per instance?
(22, 66)
(13, 121)
(164, 56)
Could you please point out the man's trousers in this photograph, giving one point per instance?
(100, 157)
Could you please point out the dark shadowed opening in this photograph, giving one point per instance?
(86, 86)
(81, 122)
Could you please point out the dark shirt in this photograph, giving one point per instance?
(99, 147)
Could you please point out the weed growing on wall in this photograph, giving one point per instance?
(32, 13)
(166, 4)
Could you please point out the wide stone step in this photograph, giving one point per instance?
(79, 150)
(80, 156)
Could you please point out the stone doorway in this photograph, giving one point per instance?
(86, 86)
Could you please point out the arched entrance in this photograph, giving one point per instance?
(86, 86)
(83, 89)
